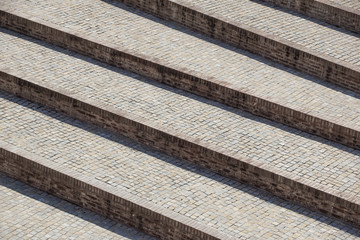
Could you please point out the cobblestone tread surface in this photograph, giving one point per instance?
(206, 197)
(307, 32)
(354, 4)
(181, 48)
(298, 153)
(28, 213)
(296, 28)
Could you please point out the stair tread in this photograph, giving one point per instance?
(310, 33)
(353, 4)
(316, 35)
(215, 202)
(28, 213)
(182, 49)
(231, 207)
(233, 131)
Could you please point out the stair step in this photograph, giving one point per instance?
(345, 14)
(326, 63)
(99, 165)
(95, 169)
(353, 4)
(221, 138)
(273, 92)
(114, 141)
(260, 29)
(28, 213)
(305, 32)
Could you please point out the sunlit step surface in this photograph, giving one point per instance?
(233, 208)
(28, 213)
(312, 158)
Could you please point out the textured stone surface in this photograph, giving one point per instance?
(353, 4)
(295, 28)
(272, 47)
(105, 25)
(28, 213)
(205, 197)
(251, 171)
(284, 89)
(339, 13)
(101, 198)
(305, 158)
(216, 89)
(230, 130)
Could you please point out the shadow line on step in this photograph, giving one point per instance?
(200, 99)
(266, 197)
(69, 208)
(188, 31)
(314, 20)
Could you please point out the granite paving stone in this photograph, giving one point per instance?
(316, 35)
(181, 48)
(307, 32)
(229, 206)
(28, 213)
(234, 131)
(353, 4)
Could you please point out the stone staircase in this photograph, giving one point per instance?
(34, 214)
(201, 120)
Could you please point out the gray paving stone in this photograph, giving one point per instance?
(28, 213)
(296, 28)
(221, 203)
(181, 48)
(353, 4)
(239, 210)
(306, 32)
(298, 153)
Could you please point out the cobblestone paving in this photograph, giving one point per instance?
(354, 4)
(299, 153)
(181, 48)
(206, 197)
(299, 29)
(315, 35)
(28, 213)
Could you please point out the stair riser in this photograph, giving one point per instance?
(323, 10)
(272, 180)
(98, 197)
(271, 47)
(212, 89)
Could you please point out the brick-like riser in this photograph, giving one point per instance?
(340, 16)
(273, 180)
(213, 89)
(271, 47)
(101, 198)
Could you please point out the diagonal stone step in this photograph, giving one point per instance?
(95, 195)
(146, 189)
(273, 92)
(350, 4)
(341, 13)
(289, 163)
(28, 213)
(332, 55)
